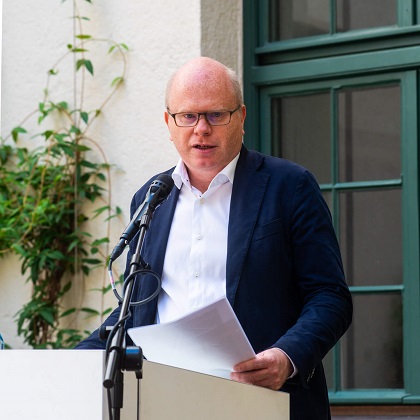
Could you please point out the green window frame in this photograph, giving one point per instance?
(328, 63)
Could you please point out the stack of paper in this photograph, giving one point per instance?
(209, 340)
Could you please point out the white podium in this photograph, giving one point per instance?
(67, 385)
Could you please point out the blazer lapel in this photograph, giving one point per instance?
(249, 187)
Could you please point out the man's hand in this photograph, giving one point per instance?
(269, 369)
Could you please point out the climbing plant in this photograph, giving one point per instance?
(49, 182)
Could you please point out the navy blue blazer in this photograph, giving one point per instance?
(284, 275)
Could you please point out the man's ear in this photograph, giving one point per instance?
(166, 118)
(243, 110)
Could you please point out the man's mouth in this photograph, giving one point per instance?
(203, 147)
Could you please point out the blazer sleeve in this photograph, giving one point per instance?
(326, 301)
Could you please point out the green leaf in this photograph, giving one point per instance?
(68, 312)
(90, 311)
(84, 116)
(85, 63)
(16, 131)
(89, 66)
(101, 210)
(55, 254)
(63, 106)
(66, 288)
(117, 81)
(47, 134)
(47, 315)
(92, 261)
(73, 245)
(103, 290)
(83, 36)
(106, 311)
(61, 137)
(75, 129)
(87, 164)
(82, 148)
(100, 241)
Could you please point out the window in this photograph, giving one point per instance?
(306, 18)
(333, 85)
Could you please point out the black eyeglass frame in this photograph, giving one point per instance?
(205, 116)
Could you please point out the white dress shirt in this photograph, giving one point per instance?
(194, 270)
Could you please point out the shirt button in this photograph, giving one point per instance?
(202, 200)
(199, 237)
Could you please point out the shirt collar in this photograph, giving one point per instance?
(227, 174)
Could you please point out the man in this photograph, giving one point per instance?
(249, 227)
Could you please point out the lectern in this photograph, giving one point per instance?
(67, 385)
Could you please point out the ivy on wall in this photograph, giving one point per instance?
(44, 191)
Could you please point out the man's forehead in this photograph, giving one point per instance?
(215, 93)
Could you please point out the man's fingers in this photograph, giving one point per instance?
(269, 368)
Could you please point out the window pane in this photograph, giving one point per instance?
(301, 132)
(369, 127)
(297, 19)
(328, 199)
(372, 347)
(305, 18)
(328, 363)
(371, 237)
(362, 14)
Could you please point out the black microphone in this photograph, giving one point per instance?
(158, 192)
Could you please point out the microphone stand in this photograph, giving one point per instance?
(119, 357)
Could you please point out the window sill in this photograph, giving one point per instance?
(375, 410)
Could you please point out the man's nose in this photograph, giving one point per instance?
(202, 125)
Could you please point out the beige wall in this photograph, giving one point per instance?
(161, 35)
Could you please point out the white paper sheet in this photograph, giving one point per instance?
(209, 340)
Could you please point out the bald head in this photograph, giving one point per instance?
(202, 74)
(204, 88)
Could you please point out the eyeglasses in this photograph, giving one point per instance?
(190, 119)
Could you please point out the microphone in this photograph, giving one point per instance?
(158, 192)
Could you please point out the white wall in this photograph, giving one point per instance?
(161, 35)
